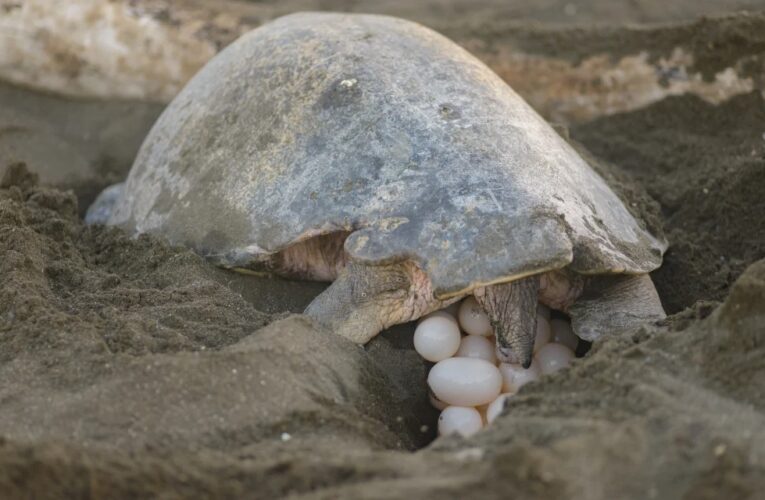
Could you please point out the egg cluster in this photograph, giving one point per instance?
(468, 383)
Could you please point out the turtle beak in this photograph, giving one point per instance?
(515, 346)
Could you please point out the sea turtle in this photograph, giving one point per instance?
(375, 153)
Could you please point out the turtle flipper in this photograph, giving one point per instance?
(362, 301)
(101, 209)
(611, 305)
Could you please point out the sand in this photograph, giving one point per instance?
(133, 369)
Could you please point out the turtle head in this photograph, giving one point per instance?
(512, 310)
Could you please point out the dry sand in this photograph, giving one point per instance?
(131, 369)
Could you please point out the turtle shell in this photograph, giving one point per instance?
(383, 129)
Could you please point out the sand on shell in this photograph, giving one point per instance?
(130, 368)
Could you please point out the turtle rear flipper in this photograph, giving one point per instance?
(613, 304)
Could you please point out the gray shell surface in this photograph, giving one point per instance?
(318, 123)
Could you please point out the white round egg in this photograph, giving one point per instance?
(465, 381)
(459, 420)
(476, 346)
(437, 338)
(515, 376)
(495, 407)
(473, 319)
(563, 334)
(441, 313)
(435, 402)
(543, 333)
(554, 357)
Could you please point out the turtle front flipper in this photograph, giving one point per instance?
(363, 301)
(614, 304)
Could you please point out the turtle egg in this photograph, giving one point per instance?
(563, 334)
(496, 407)
(437, 338)
(459, 420)
(475, 346)
(515, 376)
(435, 402)
(443, 313)
(465, 381)
(543, 333)
(553, 357)
(473, 319)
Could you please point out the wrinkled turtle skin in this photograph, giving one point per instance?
(396, 145)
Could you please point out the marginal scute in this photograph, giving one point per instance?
(537, 247)
(382, 128)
